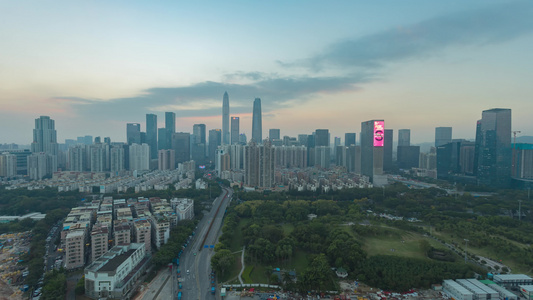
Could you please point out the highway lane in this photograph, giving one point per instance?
(195, 261)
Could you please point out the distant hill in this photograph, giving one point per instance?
(524, 139)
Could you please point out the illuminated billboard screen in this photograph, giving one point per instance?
(379, 133)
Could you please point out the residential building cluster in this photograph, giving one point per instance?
(89, 182)
(90, 230)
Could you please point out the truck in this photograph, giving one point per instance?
(223, 292)
(180, 285)
(179, 296)
(212, 290)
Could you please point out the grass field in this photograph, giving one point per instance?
(399, 243)
(516, 266)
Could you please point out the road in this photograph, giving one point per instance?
(196, 269)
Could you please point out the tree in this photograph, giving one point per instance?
(222, 261)
(317, 276)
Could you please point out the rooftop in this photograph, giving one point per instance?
(116, 261)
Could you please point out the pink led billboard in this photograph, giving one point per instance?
(379, 133)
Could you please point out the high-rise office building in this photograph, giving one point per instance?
(443, 135)
(404, 137)
(387, 150)
(170, 129)
(322, 137)
(162, 139)
(151, 134)
(225, 119)
(44, 136)
(198, 143)
(493, 148)
(257, 122)
(133, 133)
(349, 139)
(408, 157)
(274, 134)
(170, 121)
(181, 144)
(234, 130)
(215, 140)
(372, 144)
(199, 133)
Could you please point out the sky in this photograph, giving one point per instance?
(94, 66)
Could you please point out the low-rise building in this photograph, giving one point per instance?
(115, 274)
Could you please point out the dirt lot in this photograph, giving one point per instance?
(11, 279)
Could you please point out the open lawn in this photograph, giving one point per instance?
(398, 243)
(516, 266)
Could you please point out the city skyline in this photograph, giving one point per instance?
(438, 67)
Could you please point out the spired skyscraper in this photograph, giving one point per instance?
(493, 148)
(225, 119)
(257, 122)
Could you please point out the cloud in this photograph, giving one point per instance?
(349, 63)
(201, 99)
(495, 24)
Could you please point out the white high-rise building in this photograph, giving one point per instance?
(140, 157)
(8, 164)
(117, 159)
(76, 158)
(98, 158)
(41, 164)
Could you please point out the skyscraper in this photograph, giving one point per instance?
(133, 133)
(387, 150)
(257, 122)
(44, 136)
(181, 142)
(170, 128)
(443, 135)
(215, 140)
(404, 137)
(234, 130)
(198, 143)
(225, 119)
(349, 139)
(274, 134)
(139, 157)
(372, 142)
(493, 148)
(151, 134)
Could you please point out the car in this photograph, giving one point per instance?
(194, 253)
(188, 272)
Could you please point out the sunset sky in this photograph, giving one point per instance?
(93, 66)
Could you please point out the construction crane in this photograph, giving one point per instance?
(513, 170)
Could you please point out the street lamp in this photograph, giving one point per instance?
(466, 246)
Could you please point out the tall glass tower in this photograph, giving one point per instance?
(225, 119)
(257, 123)
(493, 147)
